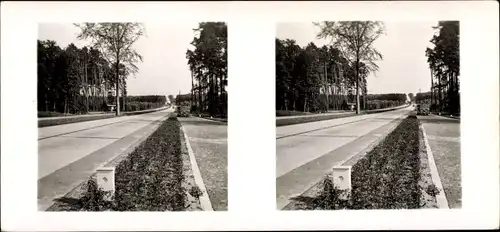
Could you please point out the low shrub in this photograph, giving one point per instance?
(47, 114)
(290, 113)
(329, 198)
(94, 198)
(432, 190)
(195, 191)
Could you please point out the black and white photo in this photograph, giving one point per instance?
(368, 115)
(132, 116)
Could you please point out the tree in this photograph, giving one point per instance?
(171, 99)
(208, 66)
(444, 64)
(411, 96)
(355, 41)
(115, 41)
(312, 78)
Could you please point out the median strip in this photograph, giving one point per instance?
(156, 176)
(395, 174)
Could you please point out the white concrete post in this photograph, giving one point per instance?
(341, 178)
(106, 181)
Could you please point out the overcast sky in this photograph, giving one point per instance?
(164, 69)
(404, 68)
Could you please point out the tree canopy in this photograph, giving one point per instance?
(208, 65)
(444, 63)
(313, 78)
(76, 80)
(355, 41)
(115, 41)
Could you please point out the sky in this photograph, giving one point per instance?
(404, 68)
(164, 69)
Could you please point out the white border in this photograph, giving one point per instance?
(251, 129)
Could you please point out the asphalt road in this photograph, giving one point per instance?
(306, 152)
(443, 134)
(70, 153)
(208, 140)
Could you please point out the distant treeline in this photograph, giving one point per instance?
(398, 97)
(423, 97)
(183, 99)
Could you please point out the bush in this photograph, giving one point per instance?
(183, 111)
(196, 192)
(93, 198)
(329, 198)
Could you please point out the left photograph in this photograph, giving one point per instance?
(132, 116)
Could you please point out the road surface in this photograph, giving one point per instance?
(208, 140)
(306, 152)
(443, 134)
(68, 154)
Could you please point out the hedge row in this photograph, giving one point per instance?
(158, 99)
(137, 106)
(387, 177)
(381, 104)
(290, 113)
(149, 179)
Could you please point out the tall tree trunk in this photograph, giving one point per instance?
(117, 70)
(326, 88)
(192, 90)
(200, 103)
(432, 89)
(85, 84)
(357, 87)
(305, 104)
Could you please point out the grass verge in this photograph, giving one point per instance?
(61, 121)
(151, 178)
(394, 175)
(290, 113)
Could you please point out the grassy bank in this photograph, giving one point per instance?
(388, 177)
(61, 121)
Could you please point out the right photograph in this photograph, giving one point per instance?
(368, 115)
